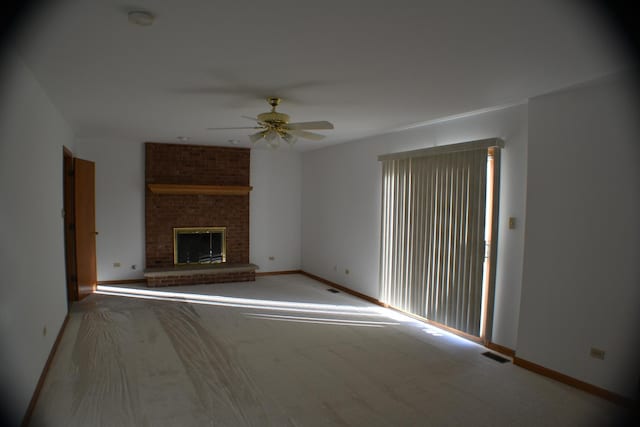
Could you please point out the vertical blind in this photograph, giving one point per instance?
(433, 223)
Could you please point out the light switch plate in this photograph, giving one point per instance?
(596, 353)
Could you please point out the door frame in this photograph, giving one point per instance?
(69, 226)
(486, 332)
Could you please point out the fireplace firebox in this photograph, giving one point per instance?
(199, 245)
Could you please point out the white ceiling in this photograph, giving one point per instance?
(369, 66)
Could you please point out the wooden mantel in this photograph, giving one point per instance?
(210, 190)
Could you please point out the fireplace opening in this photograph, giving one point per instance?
(199, 245)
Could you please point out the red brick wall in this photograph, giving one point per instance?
(201, 165)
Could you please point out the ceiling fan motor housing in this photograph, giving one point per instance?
(274, 118)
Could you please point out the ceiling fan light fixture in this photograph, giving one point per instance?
(289, 139)
(274, 144)
(271, 135)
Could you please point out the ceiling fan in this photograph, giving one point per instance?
(274, 127)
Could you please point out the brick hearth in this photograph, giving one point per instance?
(200, 274)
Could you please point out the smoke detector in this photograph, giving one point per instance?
(141, 17)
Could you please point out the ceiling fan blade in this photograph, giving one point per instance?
(310, 125)
(306, 135)
(244, 127)
(256, 136)
(250, 118)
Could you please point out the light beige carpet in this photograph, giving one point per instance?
(283, 351)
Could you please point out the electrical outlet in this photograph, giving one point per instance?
(512, 223)
(596, 353)
(133, 267)
(116, 265)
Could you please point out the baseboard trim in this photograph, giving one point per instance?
(121, 282)
(36, 393)
(574, 382)
(501, 349)
(344, 289)
(277, 273)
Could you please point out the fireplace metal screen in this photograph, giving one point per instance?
(199, 245)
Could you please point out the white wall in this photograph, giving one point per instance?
(33, 289)
(274, 207)
(341, 197)
(119, 205)
(581, 271)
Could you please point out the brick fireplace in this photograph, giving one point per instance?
(196, 186)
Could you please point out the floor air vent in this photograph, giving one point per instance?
(333, 291)
(495, 357)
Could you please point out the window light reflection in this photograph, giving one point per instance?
(432, 331)
(324, 320)
(395, 316)
(240, 302)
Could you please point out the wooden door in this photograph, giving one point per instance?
(85, 226)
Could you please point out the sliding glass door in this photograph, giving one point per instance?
(436, 226)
